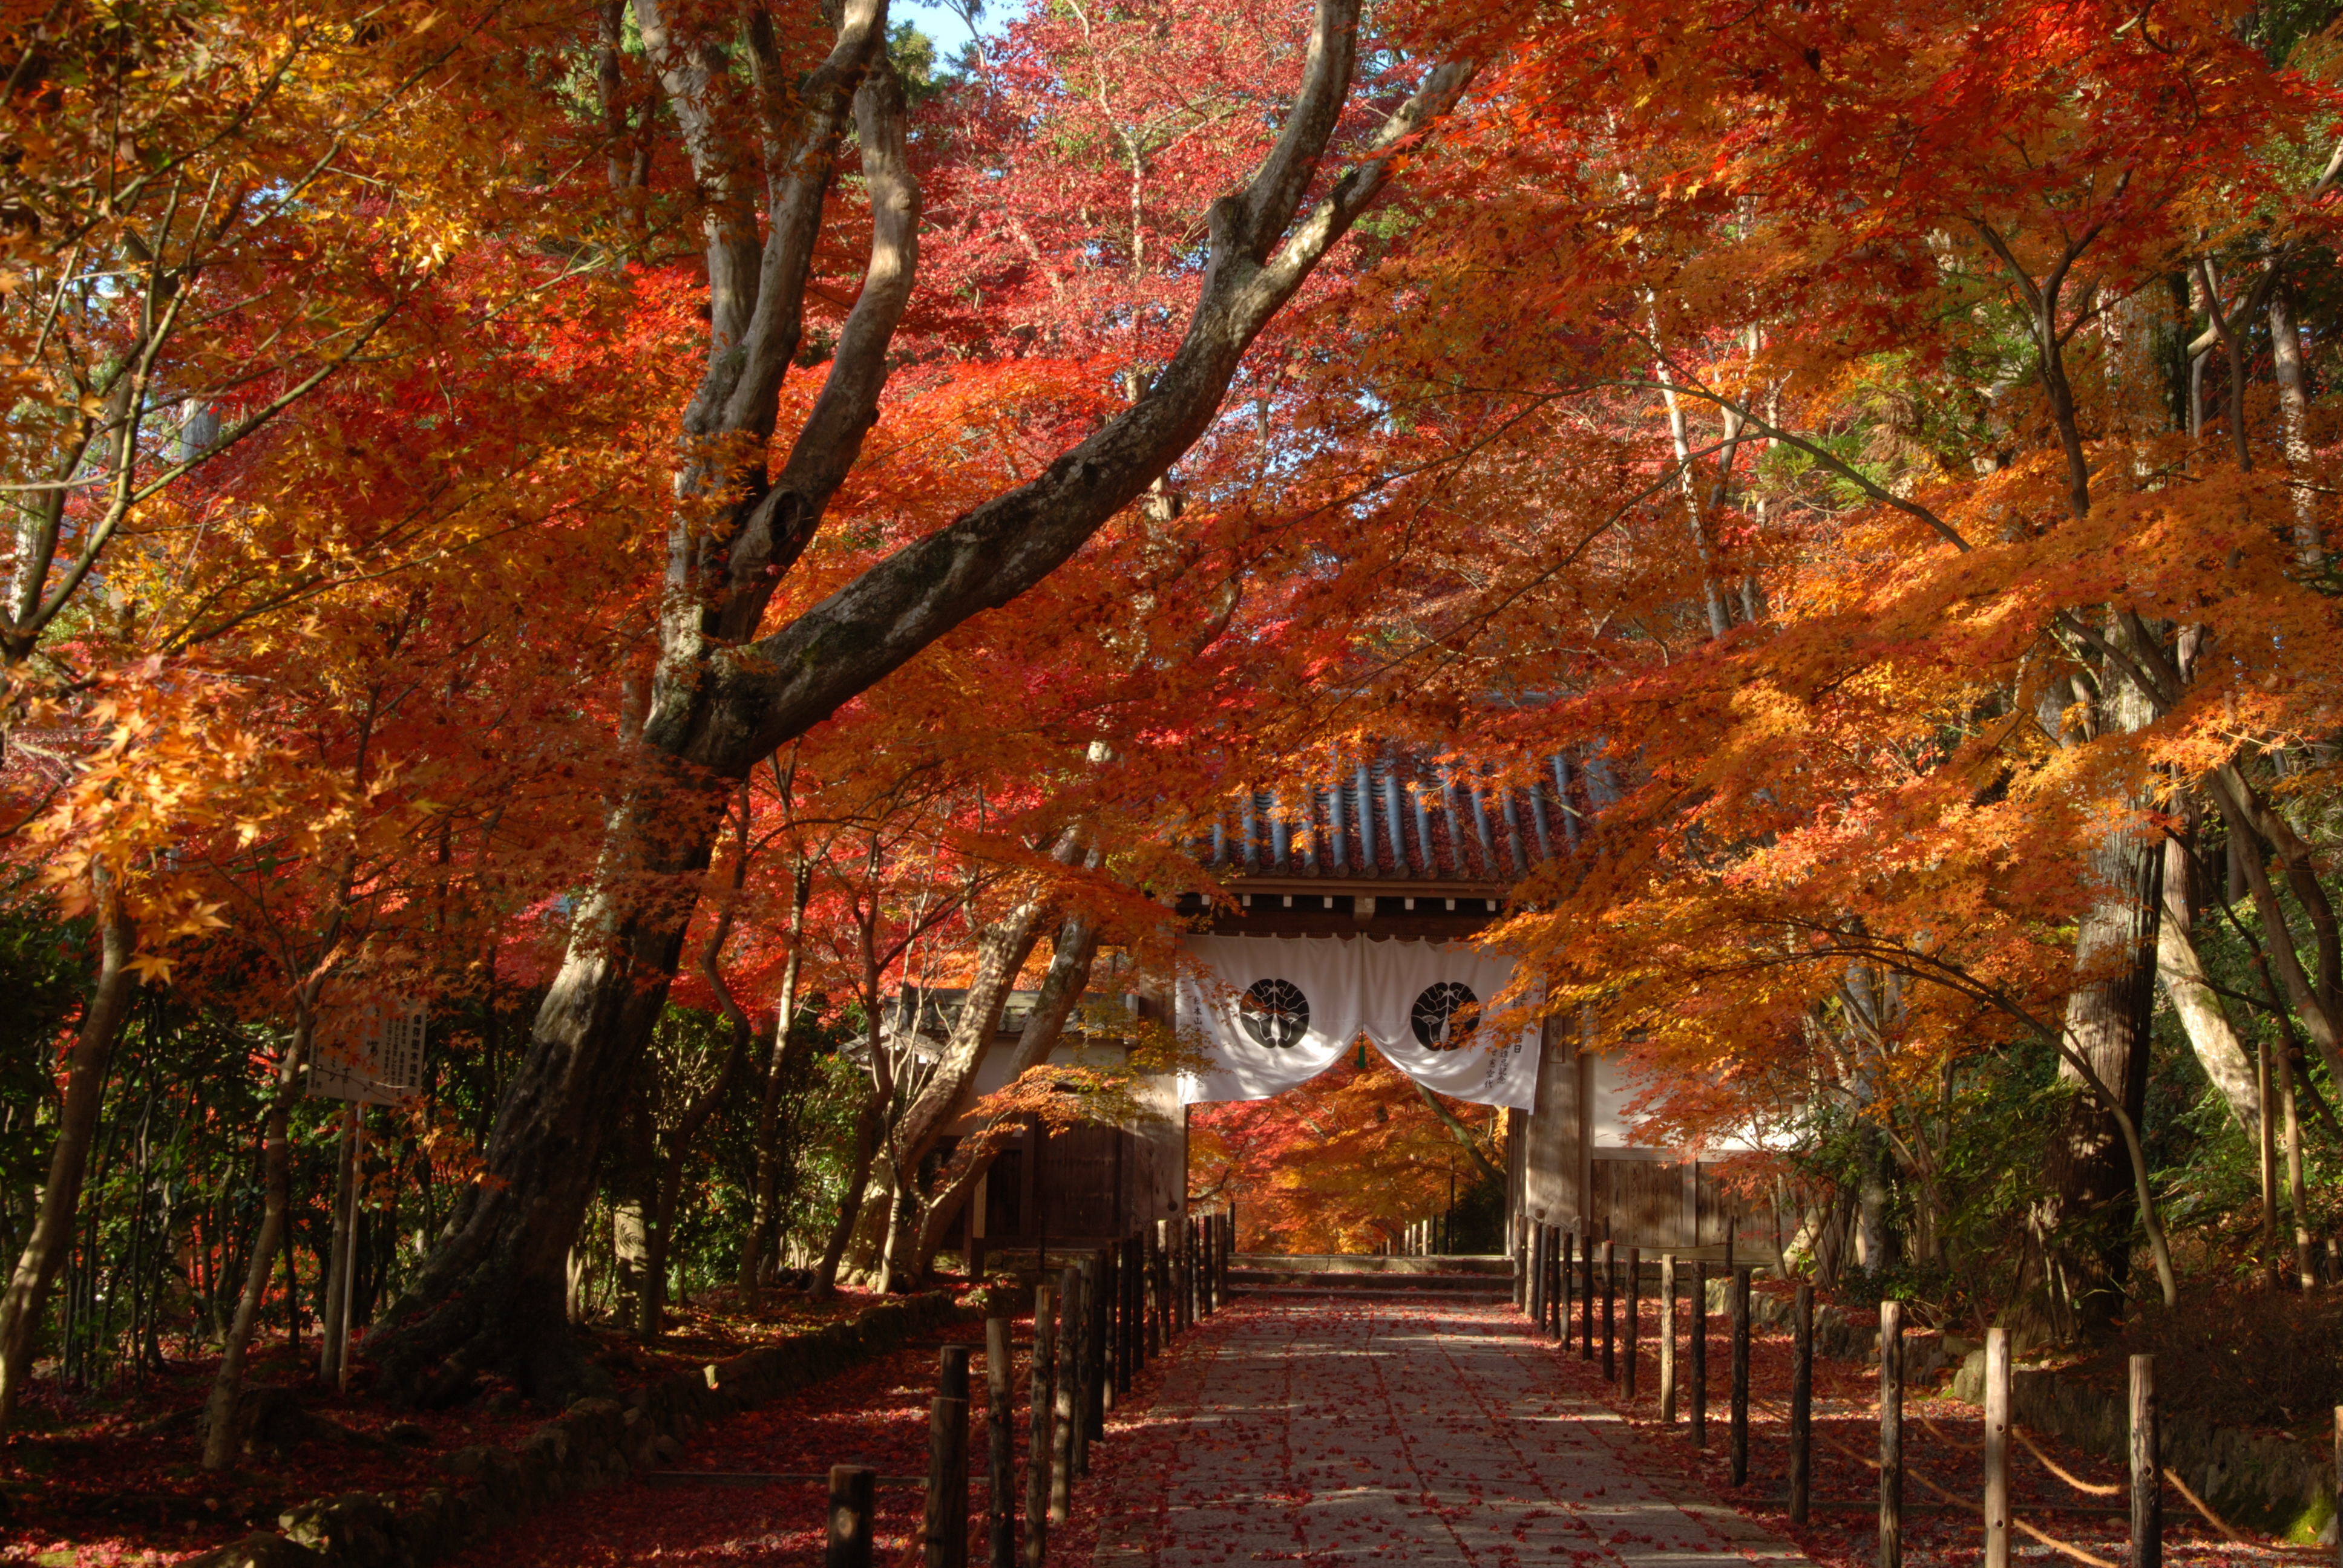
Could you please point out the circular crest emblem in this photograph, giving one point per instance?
(1274, 1013)
(1446, 1015)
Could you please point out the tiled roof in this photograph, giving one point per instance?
(1400, 820)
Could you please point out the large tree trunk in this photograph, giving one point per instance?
(491, 1293)
(2293, 377)
(2082, 1224)
(724, 698)
(27, 1297)
(631, 1248)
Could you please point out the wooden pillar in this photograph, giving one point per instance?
(1041, 1446)
(1891, 1434)
(1610, 1311)
(1586, 1298)
(853, 1488)
(1802, 1402)
(945, 1527)
(1557, 1293)
(1135, 1300)
(1634, 1317)
(1097, 1303)
(1740, 1453)
(1997, 1448)
(1517, 1234)
(1063, 1412)
(1669, 1339)
(999, 1445)
(2146, 1469)
(1534, 1284)
(1166, 1307)
(1151, 1298)
(1697, 1343)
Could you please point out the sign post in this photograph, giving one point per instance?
(368, 1053)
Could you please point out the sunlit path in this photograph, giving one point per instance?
(1341, 1432)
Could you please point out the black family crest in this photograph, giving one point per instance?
(1274, 1013)
(1444, 1015)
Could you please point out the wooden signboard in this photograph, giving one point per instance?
(370, 1051)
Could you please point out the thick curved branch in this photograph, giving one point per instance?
(792, 679)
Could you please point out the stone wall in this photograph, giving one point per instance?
(593, 1443)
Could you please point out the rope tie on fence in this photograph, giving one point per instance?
(2228, 1532)
(2050, 1465)
(2066, 1548)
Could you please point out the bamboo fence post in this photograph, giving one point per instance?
(1063, 1421)
(1740, 1454)
(1039, 1447)
(944, 1527)
(1997, 1448)
(1891, 1434)
(1802, 1402)
(999, 1445)
(1696, 1342)
(2146, 1469)
(852, 1488)
(1635, 1316)
(1668, 1338)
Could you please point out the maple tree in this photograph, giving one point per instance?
(692, 526)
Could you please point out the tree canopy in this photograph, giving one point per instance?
(649, 529)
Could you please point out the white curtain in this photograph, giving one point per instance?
(1275, 1012)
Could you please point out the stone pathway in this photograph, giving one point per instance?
(1345, 1432)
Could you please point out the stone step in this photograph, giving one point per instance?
(1369, 1291)
(1312, 1282)
(1481, 1263)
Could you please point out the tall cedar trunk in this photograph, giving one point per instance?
(220, 1428)
(2293, 377)
(2082, 1224)
(725, 699)
(22, 1308)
